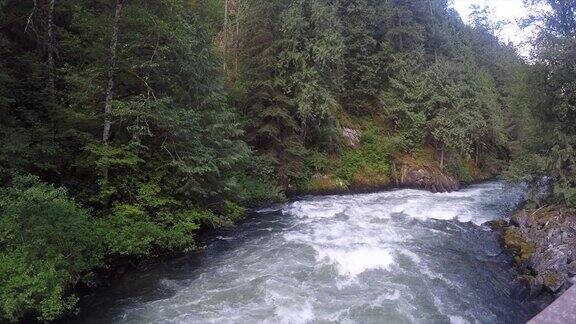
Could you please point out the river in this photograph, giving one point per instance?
(402, 256)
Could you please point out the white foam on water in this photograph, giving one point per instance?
(294, 314)
(457, 320)
(356, 261)
(352, 233)
(329, 261)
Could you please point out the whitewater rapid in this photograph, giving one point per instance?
(403, 256)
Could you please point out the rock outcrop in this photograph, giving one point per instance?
(427, 176)
(351, 136)
(544, 242)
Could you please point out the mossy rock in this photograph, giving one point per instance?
(550, 280)
(496, 225)
(522, 248)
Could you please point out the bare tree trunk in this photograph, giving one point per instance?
(110, 88)
(442, 158)
(477, 154)
(225, 32)
(237, 40)
(401, 38)
(395, 172)
(50, 32)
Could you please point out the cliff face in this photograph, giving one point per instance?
(544, 242)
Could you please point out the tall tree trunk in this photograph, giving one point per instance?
(477, 154)
(401, 38)
(395, 172)
(50, 32)
(442, 158)
(225, 29)
(110, 87)
(237, 40)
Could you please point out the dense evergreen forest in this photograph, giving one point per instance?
(128, 126)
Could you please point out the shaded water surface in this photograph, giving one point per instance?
(404, 256)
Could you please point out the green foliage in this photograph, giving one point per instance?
(47, 242)
(375, 151)
(233, 211)
(373, 157)
(289, 74)
(316, 162)
(175, 154)
(289, 78)
(133, 233)
(258, 183)
(461, 169)
(361, 60)
(543, 99)
(351, 164)
(419, 65)
(525, 166)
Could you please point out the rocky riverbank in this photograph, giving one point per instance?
(544, 243)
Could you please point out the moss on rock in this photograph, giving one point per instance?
(522, 248)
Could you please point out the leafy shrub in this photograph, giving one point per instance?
(258, 183)
(399, 144)
(525, 166)
(233, 211)
(351, 161)
(315, 162)
(47, 242)
(464, 172)
(132, 232)
(372, 157)
(375, 151)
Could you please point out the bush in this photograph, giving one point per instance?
(351, 163)
(132, 231)
(233, 211)
(525, 166)
(258, 184)
(371, 158)
(315, 162)
(47, 242)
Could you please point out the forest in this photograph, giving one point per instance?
(126, 127)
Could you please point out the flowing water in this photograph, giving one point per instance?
(404, 256)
